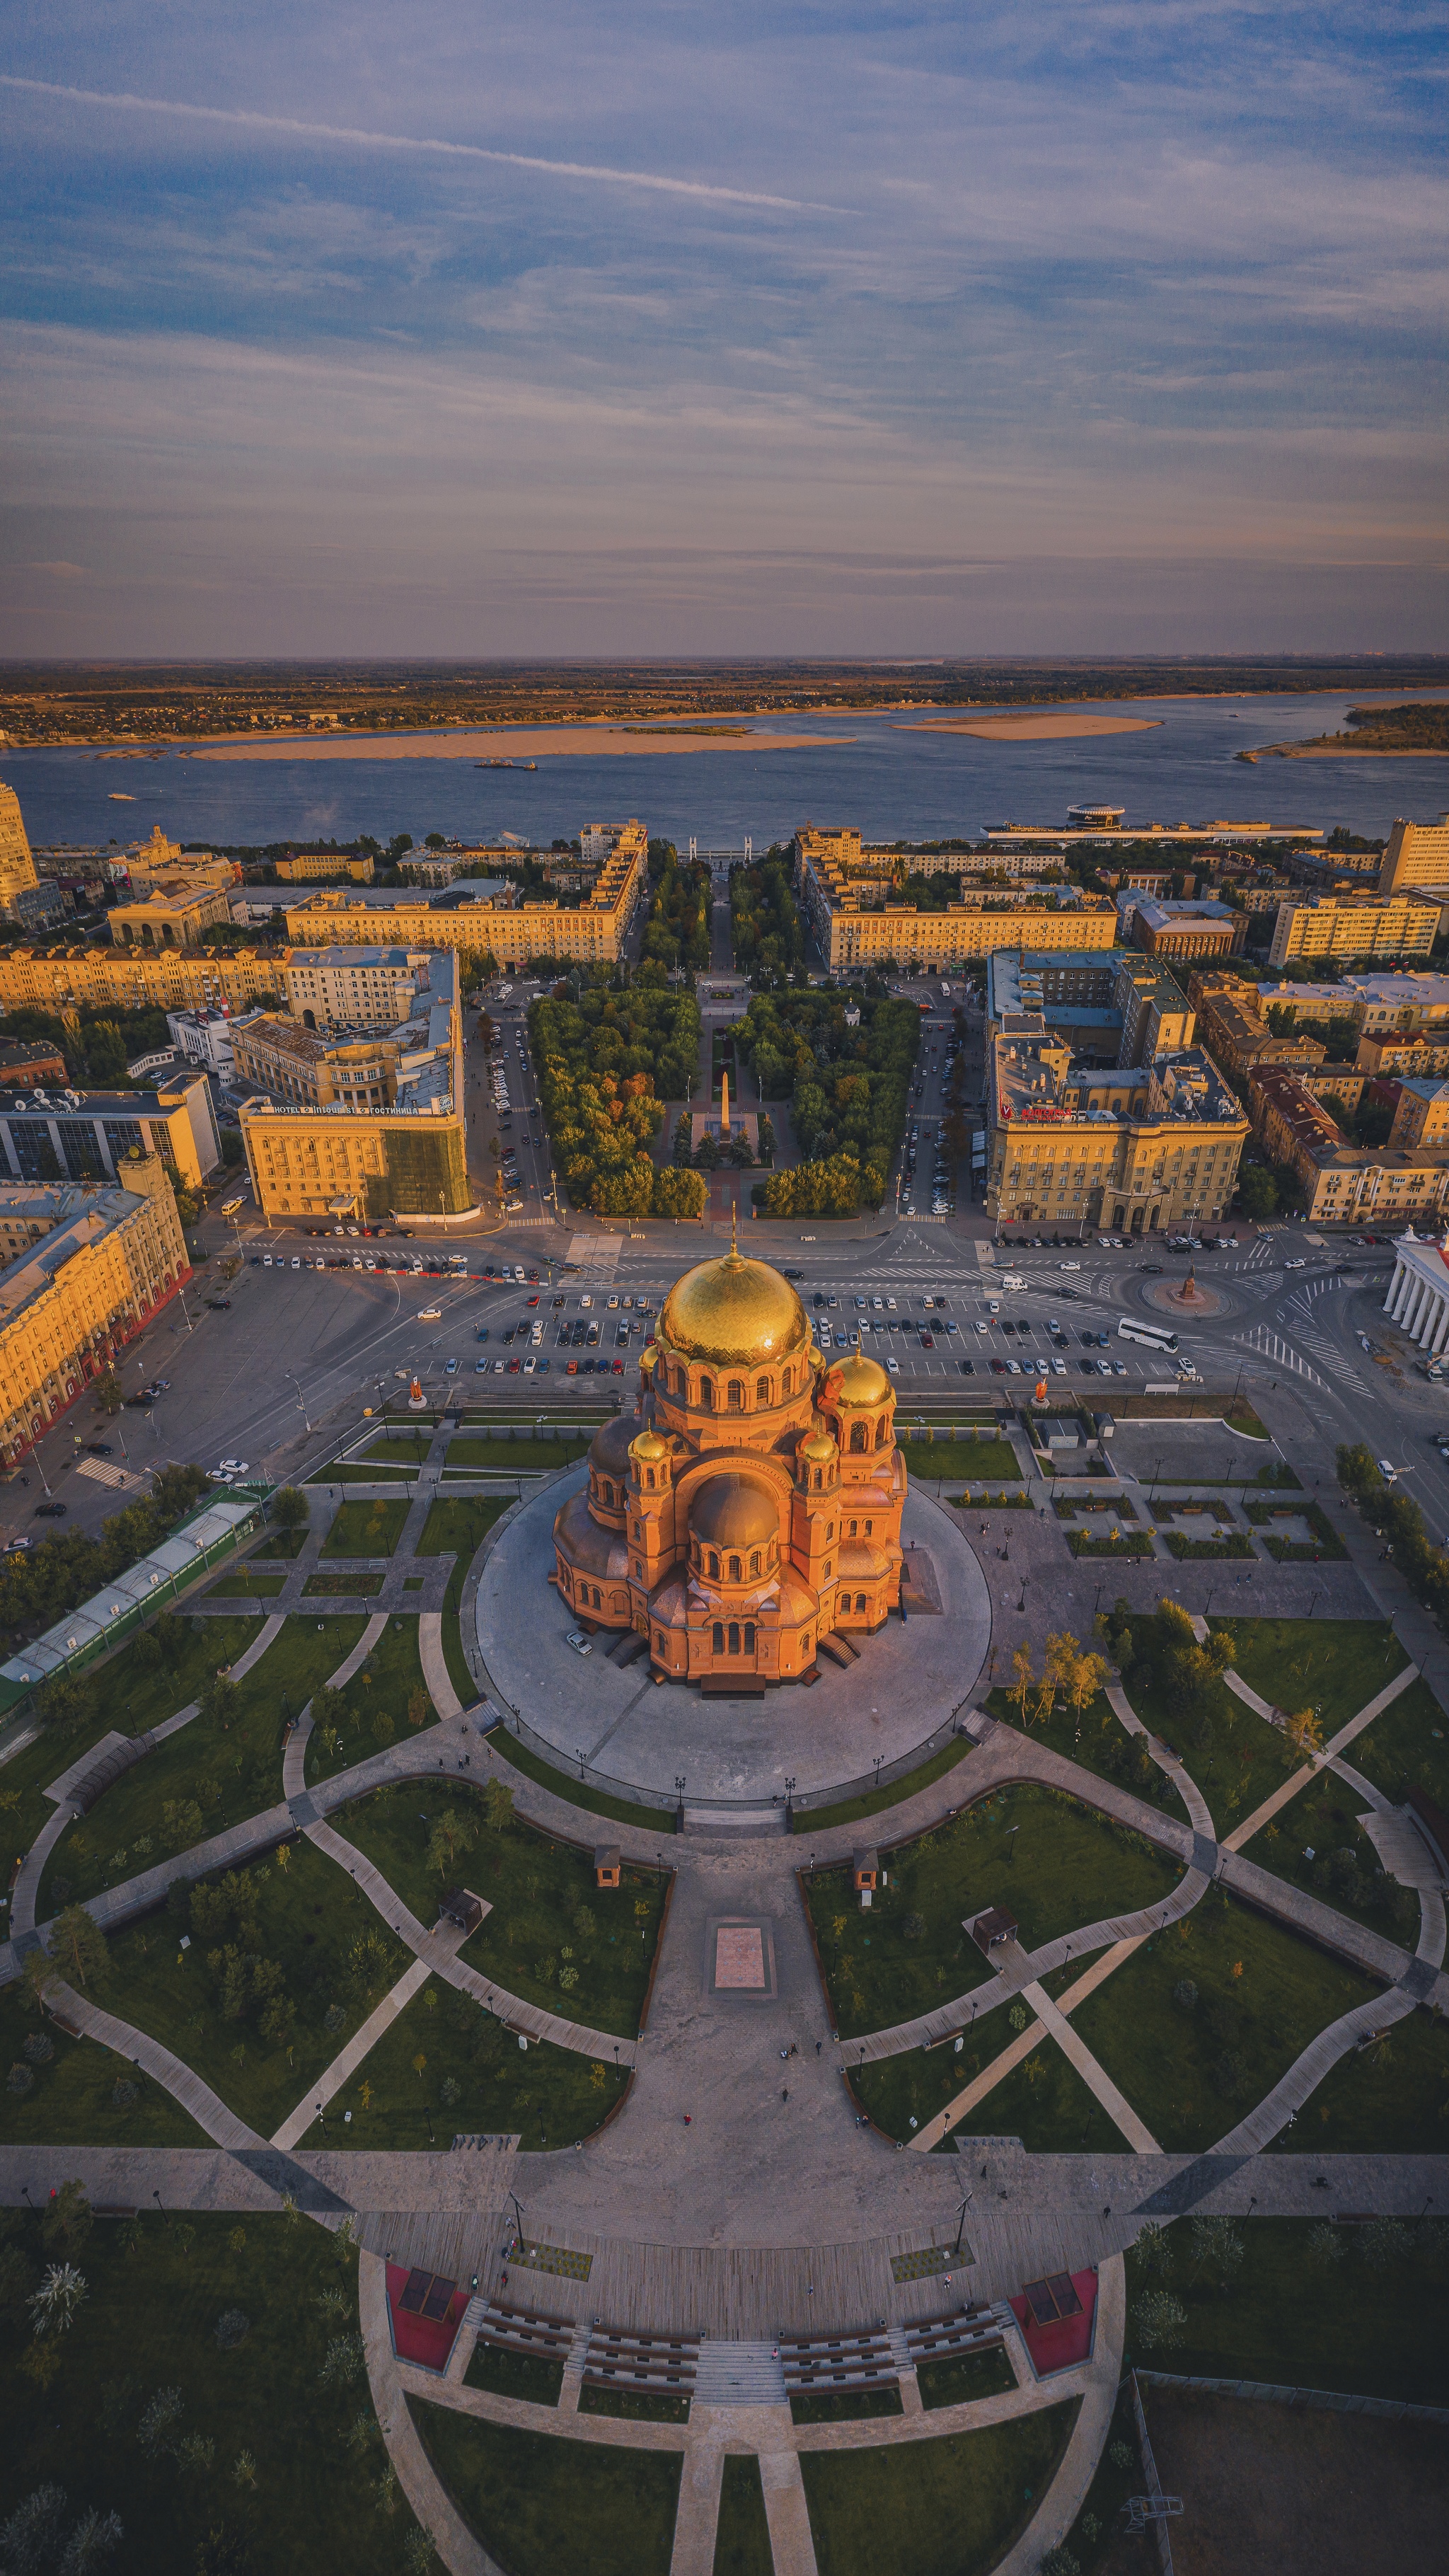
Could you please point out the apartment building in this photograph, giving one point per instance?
(488, 916)
(168, 979)
(83, 1272)
(354, 988)
(856, 924)
(1311, 926)
(1132, 1150)
(300, 866)
(1375, 1185)
(370, 1128)
(1422, 1114)
(1112, 1007)
(1415, 854)
(204, 1038)
(1181, 931)
(60, 1135)
(22, 896)
(1235, 1032)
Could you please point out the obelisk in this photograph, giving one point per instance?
(724, 1107)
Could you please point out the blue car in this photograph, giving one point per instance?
(482, 1332)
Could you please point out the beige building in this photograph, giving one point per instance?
(1235, 1032)
(315, 1160)
(353, 988)
(1416, 854)
(1343, 1184)
(84, 1271)
(1422, 1116)
(293, 1064)
(1128, 1150)
(135, 979)
(159, 866)
(856, 923)
(590, 931)
(305, 864)
(22, 896)
(1311, 926)
(174, 920)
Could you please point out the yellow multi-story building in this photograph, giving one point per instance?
(301, 865)
(1347, 1184)
(168, 920)
(1415, 854)
(354, 988)
(166, 979)
(294, 1064)
(84, 1271)
(1353, 925)
(314, 1159)
(1129, 1149)
(855, 923)
(590, 931)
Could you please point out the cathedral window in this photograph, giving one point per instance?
(706, 1394)
(869, 1527)
(735, 1396)
(607, 1490)
(830, 1530)
(651, 1480)
(755, 1562)
(718, 1638)
(786, 1383)
(749, 1636)
(881, 1429)
(858, 1435)
(762, 1390)
(860, 1600)
(825, 1569)
(854, 1529)
(658, 1641)
(734, 1638)
(714, 1564)
(638, 1529)
(736, 1570)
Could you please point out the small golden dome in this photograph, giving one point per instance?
(819, 1449)
(863, 1382)
(733, 1313)
(650, 1448)
(731, 1512)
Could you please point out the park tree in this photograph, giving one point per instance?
(1023, 1675)
(61, 1705)
(498, 1805)
(68, 2219)
(678, 1193)
(290, 1509)
(1087, 1675)
(220, 1700)
(78, 1947)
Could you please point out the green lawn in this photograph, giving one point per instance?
(991, 1462)
(540, 2503)
(510, 1457)
(1194, 1550)
(1292, 2322)
(124, 1696)
(1044, 2102)
(1335, 1665)
(249, 1583)
(961, 2376)
(283, 1543)
(1192, 2072)
(1136, 1544)
(457, 1528)
(365, 1529)
(1323, 1819)
(155, 2295)
(309, 1916)
(636, 2405)
(71, 2100)
(377, 1696)
(843, 2405)
(742, 2536)
(346, 1585)
(534, 1942)
(515, 2374)
(221, 1778)
(521, 1757)
(1111, 2485)
(1392, 2098)
(1406, 1747)
(475, 2078)
(401, 1451)
(872, 1802)
(1052, 1863)
(1103, 1745)
(951, 2506)
(1235, 1756)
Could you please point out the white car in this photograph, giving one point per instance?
(1058, 1367)
(1105, 1241)
(480, 1368)
(613, 1305)
(893, 1365)
(578, 1641)
(529, 1365)
(1069, 1265)
(877, 1304)
(429, 1314)
(296, 1261)
(890, 1305)
(1387, 1471)
(1295, 1265)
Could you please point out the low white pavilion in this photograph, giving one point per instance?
(1418, 1298)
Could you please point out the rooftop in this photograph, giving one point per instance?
(77, 1220)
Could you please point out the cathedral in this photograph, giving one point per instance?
(753, 1502)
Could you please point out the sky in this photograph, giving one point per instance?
(1080, 326)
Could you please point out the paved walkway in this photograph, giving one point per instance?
(1095, 2077)
(294, 1752)
(295, 2126)
(206, 2108)
(1182, 1779)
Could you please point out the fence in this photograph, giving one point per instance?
(1393, 2409)
(1149, 2469)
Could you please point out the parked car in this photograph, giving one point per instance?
(50, 1511)
(578, 1641)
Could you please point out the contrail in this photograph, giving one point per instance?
(251, 118)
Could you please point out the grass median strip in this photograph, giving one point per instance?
(365, 1529)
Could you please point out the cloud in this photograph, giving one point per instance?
(60, 571)
(309, 130)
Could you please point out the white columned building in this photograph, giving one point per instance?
(1418, 1298)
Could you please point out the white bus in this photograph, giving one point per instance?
(1159, 1337)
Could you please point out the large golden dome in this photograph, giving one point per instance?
(733, 1312)
(729, 1511)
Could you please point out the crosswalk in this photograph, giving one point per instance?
(1340, 1369)
(1270, 1345)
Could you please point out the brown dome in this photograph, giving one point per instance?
(609, 1448)
(729, 1511)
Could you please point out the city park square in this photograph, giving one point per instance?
(489, 2081)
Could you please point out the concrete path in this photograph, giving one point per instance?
(1095, 2077)
(1067, 2493)
(205, 2107)
(294, 1752)
(696, 2524)
(430, 2501)
(435, 1664)
(1182, 1780)
(438, 1951)
(295, 2126)
(791, 2545)
(1243, 1834)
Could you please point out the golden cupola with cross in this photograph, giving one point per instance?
(753, 1502)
